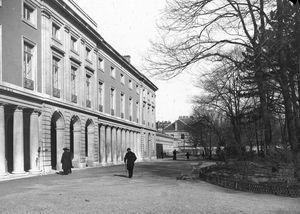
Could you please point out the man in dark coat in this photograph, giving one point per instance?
(187, 155)
(174, 154)
(129, 159)
(66, 161)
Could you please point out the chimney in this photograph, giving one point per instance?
(127, 58)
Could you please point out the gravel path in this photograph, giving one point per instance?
(153, 189)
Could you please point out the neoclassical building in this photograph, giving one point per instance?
(63, 85)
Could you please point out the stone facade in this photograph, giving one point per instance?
(180, 130)
(63, 85)
(167, 143)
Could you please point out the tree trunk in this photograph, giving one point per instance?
(285, 87)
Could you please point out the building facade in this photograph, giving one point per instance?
(165, 145)
(180, 130)
(63, 85)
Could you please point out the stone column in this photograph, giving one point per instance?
(138, 141)
(123, 139)
(119, 145)
(91, 144)
(131, 141)
(114, 144)
(102, 144)
(108, 144)
(127, 140)
(3, 169)
(18, 142)
(134, 143)
(34, 141)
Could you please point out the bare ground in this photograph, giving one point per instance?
(153, 189)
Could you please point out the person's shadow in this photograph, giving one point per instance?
(124, 176)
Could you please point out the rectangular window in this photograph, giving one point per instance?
(101, 96)
(143, 113)
(88, 55)
(101, 64)
(55, 31)
(73, 84)
(28, 13)
(122, 105)
(130, 84)
(88, 90)
(130, 109)
(28, 65)
(137, 112)
(28, 60)
(112, 101)
(74, 44)
(112, 72)
(55, 76)
(137, 89)
(122, 78)
(55, 72)
(148, 114)
(153, 117)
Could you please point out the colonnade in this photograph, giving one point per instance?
(114, 142)
(93, 143)
(17, 132)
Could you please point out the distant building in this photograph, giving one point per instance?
(161, 125)
(62, 85)
(165, 144)
(180, 129)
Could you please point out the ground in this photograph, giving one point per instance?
(153, 189)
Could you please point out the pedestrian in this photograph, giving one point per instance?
(66, 161)
(129, 160)
(187, 155)
(174, 154)
(203, 155)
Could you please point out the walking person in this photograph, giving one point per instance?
(129, 160)
(187, 155)
(174, 154)
(66, 161)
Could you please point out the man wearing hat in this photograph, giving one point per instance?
(66, 161)
(129, 159)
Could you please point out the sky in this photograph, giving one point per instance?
(128, 26)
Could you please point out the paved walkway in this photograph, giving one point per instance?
(153, 189)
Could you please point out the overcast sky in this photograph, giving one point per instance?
(129, 25)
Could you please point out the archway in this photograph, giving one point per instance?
(75, 133)
(57, 139)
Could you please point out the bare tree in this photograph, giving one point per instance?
(196, 31)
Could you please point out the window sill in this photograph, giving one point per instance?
(100, 69)
(33, 25)
(56, 40)
(74, 51)
(89, 61)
